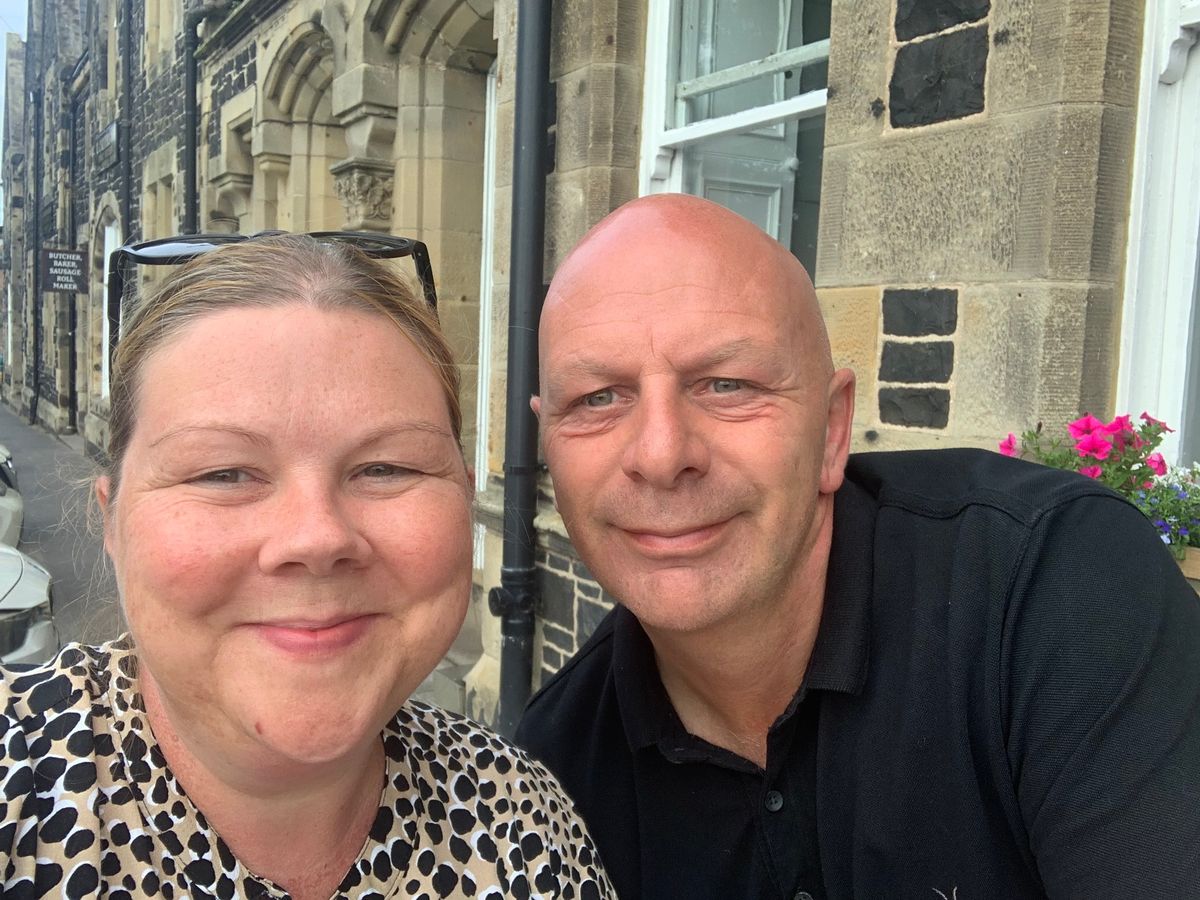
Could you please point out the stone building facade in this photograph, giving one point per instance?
(969, 181)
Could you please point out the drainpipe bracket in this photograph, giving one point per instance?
(505, 601)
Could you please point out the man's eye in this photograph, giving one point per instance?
(727, 385)
(600, 398)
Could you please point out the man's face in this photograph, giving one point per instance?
(684, 419)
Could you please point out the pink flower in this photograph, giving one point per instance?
(1095, 443)
(1146, 417)
(1008, 446)
(1147, 484)
(1157, 464)
(1119, 425)
(1091, 471)
(1084, 426)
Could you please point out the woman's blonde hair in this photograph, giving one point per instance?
(272, 271)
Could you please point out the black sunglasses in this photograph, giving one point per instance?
(174, 251)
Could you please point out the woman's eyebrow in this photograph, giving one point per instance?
(245, 434)
(261, 440)
(400, 429)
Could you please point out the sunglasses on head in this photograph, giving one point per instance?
(174, 251)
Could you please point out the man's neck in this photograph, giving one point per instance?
(729, 683)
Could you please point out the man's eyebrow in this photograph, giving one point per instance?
(604, 367)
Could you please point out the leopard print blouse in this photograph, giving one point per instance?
(88, 807)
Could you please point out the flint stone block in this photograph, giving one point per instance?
(551, 658)
(561, 640)
(590, 615)
(917, 363)
(920, 312)
(915, 407)
(939, 79)
(917, 17)
(558, 599)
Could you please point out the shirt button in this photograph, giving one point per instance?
(774, 803)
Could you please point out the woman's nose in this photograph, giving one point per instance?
(312, 527)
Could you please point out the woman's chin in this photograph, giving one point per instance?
(317, 732)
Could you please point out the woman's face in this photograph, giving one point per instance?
(291, 534)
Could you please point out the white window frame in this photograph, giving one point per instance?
(8, 329)
(661, 170)
(483, 369)
(110, 229)
(1157, 325)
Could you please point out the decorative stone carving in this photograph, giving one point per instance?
(365, 189)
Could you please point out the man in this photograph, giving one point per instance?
(929, 674)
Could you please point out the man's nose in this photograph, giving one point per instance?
(667, 443)
(313, 528)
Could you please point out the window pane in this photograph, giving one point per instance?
(771, 176)
(717, 35)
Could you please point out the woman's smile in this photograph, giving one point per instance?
(316, 637)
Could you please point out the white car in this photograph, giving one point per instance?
(27, 632)
(12, 507)
(6, 464)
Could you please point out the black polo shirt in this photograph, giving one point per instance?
(1003, 701)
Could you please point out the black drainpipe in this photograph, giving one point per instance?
(125, 152)
(125, 126)
(38, 168)
(191, 111)
(516, 597)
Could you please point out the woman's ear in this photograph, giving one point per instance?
(103, 496)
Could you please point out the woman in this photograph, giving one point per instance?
(288, 514)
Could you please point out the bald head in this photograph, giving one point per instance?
(664, 242)
(690, 415)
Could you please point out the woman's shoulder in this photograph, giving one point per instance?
(464, 748)
(73, 685)
(495, 798)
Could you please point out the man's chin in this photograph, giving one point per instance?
(679, 602)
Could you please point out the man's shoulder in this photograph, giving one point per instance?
(944, 483)
(573, 694)
(584, 673)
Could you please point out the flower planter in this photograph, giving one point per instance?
(1191, 566)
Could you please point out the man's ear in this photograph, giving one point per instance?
(535, 403)
(838, 427)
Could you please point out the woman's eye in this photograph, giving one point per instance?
(600, 398)
(384, 470)
(727, 385)
(223, 476)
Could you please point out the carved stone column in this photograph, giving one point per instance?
(365, 188)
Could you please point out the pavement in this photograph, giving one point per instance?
(59, 532)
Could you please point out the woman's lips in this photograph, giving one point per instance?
(309, 638)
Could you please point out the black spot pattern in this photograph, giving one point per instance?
(89, 808)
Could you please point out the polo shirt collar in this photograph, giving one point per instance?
(840, 654)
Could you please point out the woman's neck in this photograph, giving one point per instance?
(301, 828)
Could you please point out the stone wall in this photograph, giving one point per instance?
(973, 201)
(977, 163)
(974, 196)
